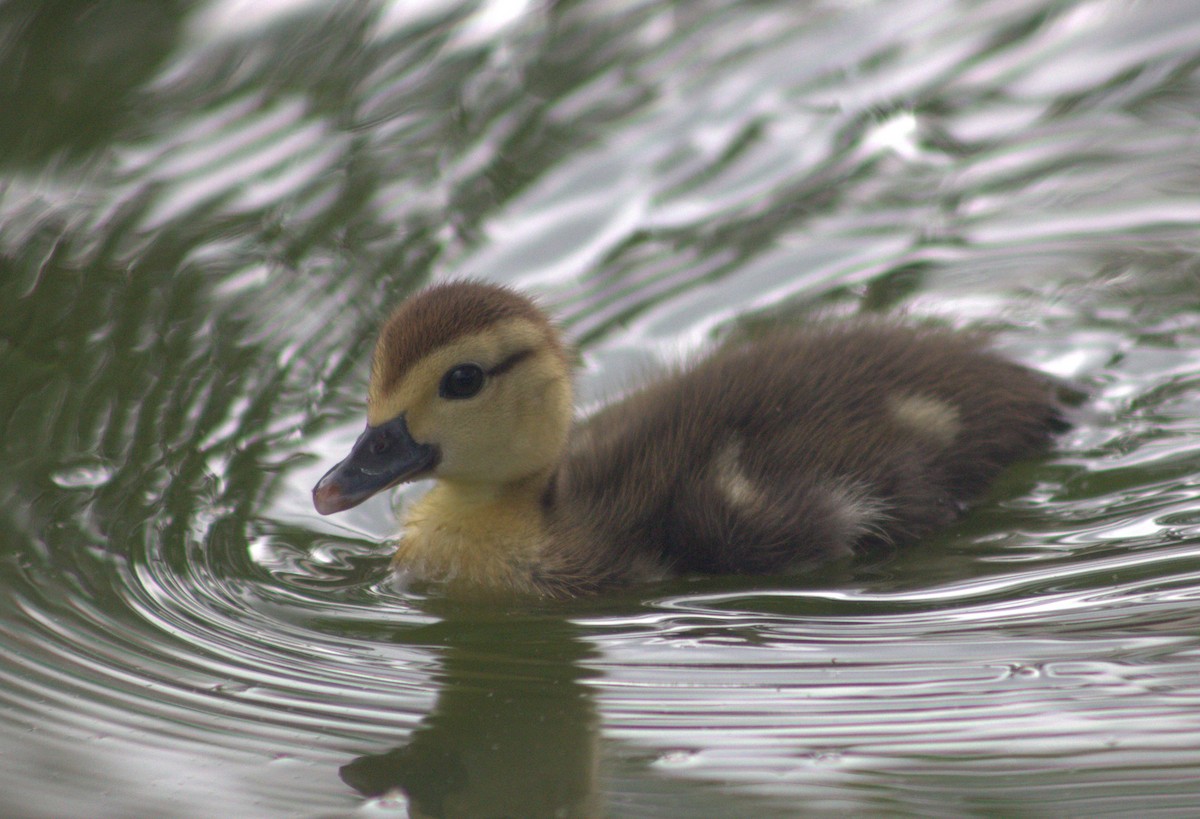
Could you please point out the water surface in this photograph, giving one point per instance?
(207, 209)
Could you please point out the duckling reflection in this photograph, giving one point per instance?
(513, 733)
(771, 455)
(516, 732)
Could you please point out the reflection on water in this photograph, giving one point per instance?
(526, 746)
(206, 211)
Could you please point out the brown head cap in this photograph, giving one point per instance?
(440, 314)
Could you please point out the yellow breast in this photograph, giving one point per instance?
(465, 536)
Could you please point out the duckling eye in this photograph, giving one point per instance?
(463, 381)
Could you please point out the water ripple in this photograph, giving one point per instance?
(198, 272)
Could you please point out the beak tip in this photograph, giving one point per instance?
(327, 499)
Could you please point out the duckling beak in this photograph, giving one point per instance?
(382, 457)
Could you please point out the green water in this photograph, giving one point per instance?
(207, 209)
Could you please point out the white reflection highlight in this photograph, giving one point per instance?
(491, 20)
(225, 19)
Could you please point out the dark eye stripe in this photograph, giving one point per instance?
(510, 362)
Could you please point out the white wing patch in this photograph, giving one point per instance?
(858, 511)
(732, 480)
(933, 418)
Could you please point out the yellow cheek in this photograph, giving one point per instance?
(412, 397)
(422, 419)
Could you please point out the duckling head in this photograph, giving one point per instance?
(470, 385)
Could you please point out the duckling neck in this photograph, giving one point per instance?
(477, 534)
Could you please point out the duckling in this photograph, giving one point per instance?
(768, 456)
